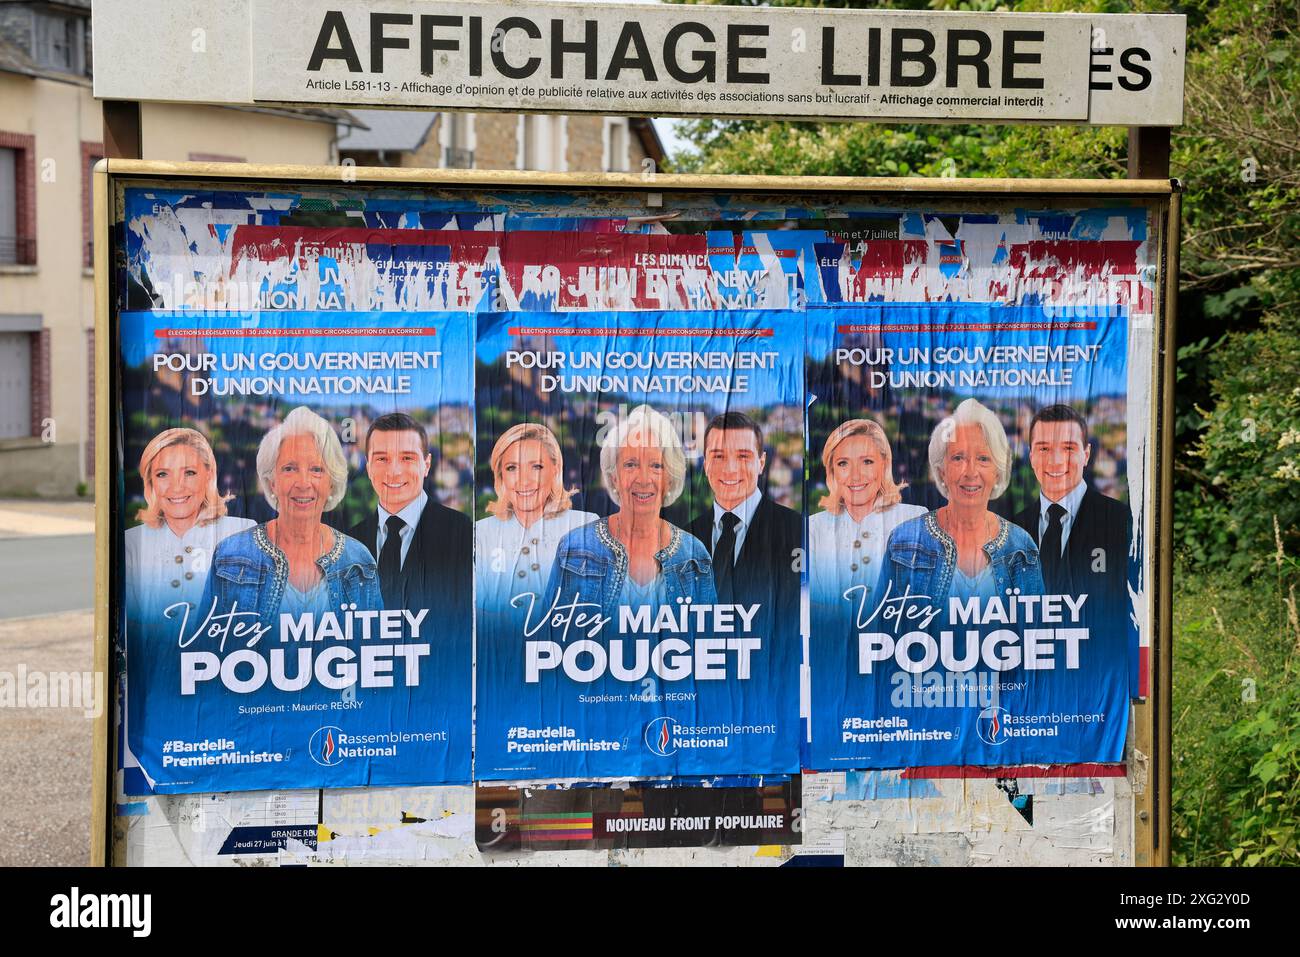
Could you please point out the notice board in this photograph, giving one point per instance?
(479, 518)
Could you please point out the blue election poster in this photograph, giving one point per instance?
(969, 535)
(638, 543)
(297, 556)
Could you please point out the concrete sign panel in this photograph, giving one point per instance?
(647, 59)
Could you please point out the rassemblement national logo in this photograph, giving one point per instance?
(659, 737)
(324, 746)
(993, 725)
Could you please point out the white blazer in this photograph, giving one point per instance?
(163, 568)
(844, 553)
(510, 559)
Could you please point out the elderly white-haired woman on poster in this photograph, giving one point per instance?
(295, 563)
(862, 505)
(532, 511)
(963, 549)
(635, 556)
(167, 556)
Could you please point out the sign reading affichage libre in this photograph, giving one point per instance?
(673, 59)
(649, 59)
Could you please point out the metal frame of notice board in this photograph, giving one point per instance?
(1148, 749)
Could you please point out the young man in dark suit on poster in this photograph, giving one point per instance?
(1082, 535)
(753, 541)
(424, 549)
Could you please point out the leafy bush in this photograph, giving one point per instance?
(1236, 734)
(1251, 451)
(1264, 808)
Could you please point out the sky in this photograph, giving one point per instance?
(667, 133)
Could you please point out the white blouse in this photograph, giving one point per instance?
(163, 568)
(979, 585)
(510, 559)
(844, 553)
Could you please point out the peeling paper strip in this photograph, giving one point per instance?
(823, 785)
(832, 843)
(957, 772)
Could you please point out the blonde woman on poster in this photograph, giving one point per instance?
(183, 522)
(862, 505)
(515, 545)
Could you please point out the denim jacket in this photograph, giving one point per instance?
(593, 563)
(249, 568)
(922, 555)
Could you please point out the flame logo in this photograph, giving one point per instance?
(324, 746)
(659, 736)
(991, 726)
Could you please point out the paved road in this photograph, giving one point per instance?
(46, 575)
(45, 751)
(46, 570)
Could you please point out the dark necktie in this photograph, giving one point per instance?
(390, 562)
(1049, 549)
(724, 553)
